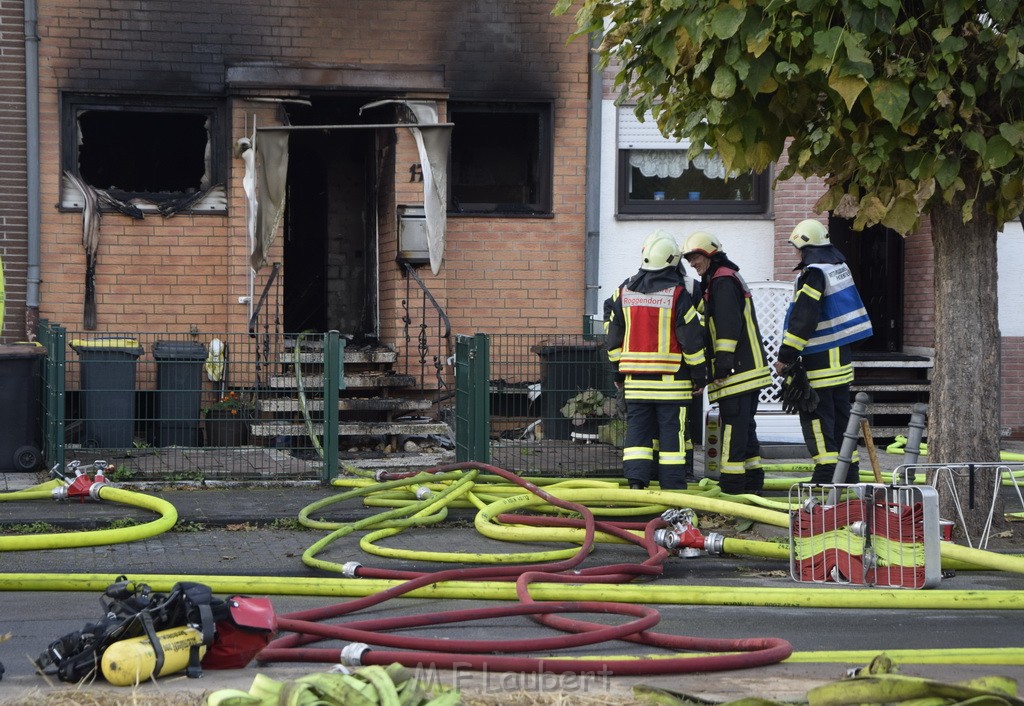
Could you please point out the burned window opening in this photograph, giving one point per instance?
(143, 153)
(156, 153)
(501, 158)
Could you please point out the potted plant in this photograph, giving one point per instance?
(227, 420)
(587, 408)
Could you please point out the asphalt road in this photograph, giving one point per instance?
(903, 621)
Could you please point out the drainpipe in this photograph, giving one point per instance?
(593, 196)
(32, 168)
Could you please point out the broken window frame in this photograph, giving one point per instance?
(539, 170)
(215, 151)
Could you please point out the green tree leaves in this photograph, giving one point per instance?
(869, 93)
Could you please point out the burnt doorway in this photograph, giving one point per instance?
(875, 256)
(330, 227)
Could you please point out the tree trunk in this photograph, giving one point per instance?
(963, 423)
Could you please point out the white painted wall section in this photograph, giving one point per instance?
(748, 242)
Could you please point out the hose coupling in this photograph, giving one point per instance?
(714, 543)
(810, 504)
(59, 493)
(94, 489)
(349, 569)
(381, 475)
(352, 654)
(423, 492)
(676, 515)
(859, 528)
(666, 538)
(79, 487)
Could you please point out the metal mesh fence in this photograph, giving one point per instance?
(181, 406)
(553, 406)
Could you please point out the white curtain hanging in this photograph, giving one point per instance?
(672, 163)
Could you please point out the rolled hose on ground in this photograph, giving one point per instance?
(168, 516)
(306, 625)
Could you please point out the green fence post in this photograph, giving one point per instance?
(334, 380)
(472, 398)
(54, 339)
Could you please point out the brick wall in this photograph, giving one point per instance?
(919, 288)
(169, 274)
(1012, 386)
(13, 205)
(793, 201)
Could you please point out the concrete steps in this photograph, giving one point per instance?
(377, 406)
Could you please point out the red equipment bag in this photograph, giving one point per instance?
(249, 627)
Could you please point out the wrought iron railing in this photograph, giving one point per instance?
(268, 340)
(426, 321)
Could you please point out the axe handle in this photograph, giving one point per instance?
(865, 430)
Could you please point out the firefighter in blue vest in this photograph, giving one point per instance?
(739, 368)
(655, 341)
(824, 318)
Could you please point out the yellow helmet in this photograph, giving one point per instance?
(703, 243)
(660, 251)
(809, 232)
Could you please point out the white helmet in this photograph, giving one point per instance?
(809, 232)
(703, 243)
(660, 251)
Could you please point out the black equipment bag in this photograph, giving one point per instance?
(131, 610)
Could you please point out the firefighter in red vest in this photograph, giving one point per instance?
(656, 342)
(739, 368)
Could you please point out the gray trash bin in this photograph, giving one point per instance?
(107, 375)
(21, 417)
(179, 373)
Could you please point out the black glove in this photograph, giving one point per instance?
(724, 363)
(797, 393)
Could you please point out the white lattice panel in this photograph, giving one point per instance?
(771, 301)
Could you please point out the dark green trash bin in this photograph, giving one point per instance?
(570, 365)
(179, 372)
(21, 411)
(107, 374)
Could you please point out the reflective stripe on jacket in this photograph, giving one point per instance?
(840, 313)
(734, 335)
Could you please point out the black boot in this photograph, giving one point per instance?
(754, 480)
(732, 483)
(636, 484)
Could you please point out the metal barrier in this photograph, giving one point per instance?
(163, 406)
(550, 404)
(874, 535)
(955, 478)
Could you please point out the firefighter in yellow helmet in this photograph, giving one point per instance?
(824, 318)
(656, 343)
(739, 368)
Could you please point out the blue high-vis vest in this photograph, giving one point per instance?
(843, 316)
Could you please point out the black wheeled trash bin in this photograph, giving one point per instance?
(570, 365)
(107, 373)
(21, 413)
(179, 373)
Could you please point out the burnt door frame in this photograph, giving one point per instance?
(332, 208)
(876, 257)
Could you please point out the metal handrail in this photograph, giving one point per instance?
(439, 360)
(254, 319)
(437, 307)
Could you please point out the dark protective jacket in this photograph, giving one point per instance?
(825, 316)
(654, 337)
(738, 363)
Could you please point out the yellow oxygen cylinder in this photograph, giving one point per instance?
(131, 661)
